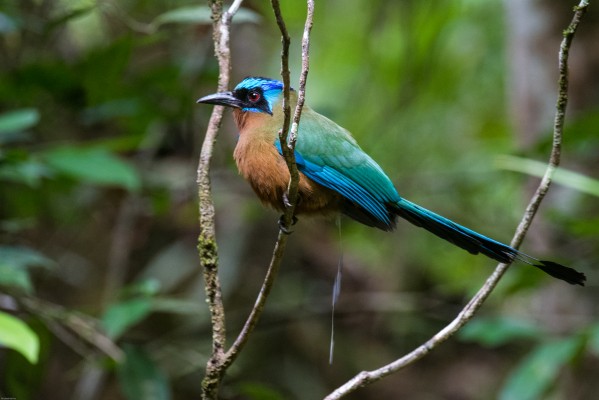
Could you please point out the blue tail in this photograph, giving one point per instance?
(476, 243)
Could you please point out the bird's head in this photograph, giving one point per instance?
(253, 94)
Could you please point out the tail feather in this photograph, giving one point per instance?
(562, 272)
(475, 243)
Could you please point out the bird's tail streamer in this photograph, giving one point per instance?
(336, 292)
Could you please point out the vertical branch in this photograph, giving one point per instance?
(288, 154)
(288, 149)
(221, 360)
(301, 97)
(288, 138)
(367, 377)
(221, 23)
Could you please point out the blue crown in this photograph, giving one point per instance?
(266, 84)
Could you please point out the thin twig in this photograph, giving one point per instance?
(301, 97)
(76, 330)
(366, 377)
(207, 239)
(288, 153)
(220, 360)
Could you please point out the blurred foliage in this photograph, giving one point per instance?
(576, 181)
(537, 372)
(99, 140)
(140, 378)
(15, 334)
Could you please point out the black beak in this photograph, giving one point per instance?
(222, 99)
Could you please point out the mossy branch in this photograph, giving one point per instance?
(207, 248)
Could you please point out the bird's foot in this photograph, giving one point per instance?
(286, 200)
(282, 226)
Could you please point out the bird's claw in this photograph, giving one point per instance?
(286, 200)
(282, 226)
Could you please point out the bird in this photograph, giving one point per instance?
(337, 176)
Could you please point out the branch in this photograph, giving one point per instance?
(221, 360)
(367, 377)
(207, 241)
(288, 154)
(78, 331)
(301, 97)
(288, 151)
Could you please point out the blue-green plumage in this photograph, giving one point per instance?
(337, 175)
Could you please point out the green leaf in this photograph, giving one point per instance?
(563, 176)
(29, 172)
(120, 316)
(15, 262)
(140, 378)
(15, 278)
(93, 165)
(16, 335)
(200, 15)
(16, 121)
(537, 373)
(23, 257)
(499, 331)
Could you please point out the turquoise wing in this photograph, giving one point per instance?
(330, 156)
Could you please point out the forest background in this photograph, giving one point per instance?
(99, 142)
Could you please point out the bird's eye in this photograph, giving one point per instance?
(254, 96)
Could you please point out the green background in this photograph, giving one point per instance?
(99, 142)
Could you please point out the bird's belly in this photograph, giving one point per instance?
(266, 171)
(312, 197)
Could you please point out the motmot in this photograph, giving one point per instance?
(336, 175)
